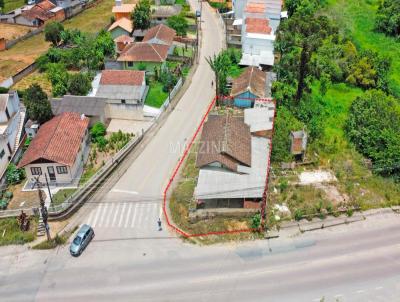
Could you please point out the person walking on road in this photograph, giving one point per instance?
(159, 224)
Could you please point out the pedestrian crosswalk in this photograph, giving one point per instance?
(126, 215)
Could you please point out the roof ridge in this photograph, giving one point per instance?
(225, 138)
(151, 44)
(52, 135)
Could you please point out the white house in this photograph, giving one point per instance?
(58, 150)
(11, 122)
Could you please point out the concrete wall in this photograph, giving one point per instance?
(149, 65)
(124, 111)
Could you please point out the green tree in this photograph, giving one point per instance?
(98, 130)
(79, 84)
(141, 16)
(302, 7)
(388, 18)
(220, 65)
(1, 5)
(297, 40)
(285, 122)
(37, 105)
(373, 126)
(52, 32)
(58, 76)
(179, 23)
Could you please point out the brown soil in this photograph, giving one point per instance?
(13, 31)
(23, 199)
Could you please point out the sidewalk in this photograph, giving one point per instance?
(293, 228)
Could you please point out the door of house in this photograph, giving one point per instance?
(52, 174)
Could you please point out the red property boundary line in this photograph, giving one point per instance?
(177, 167)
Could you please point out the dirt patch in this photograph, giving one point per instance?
(23, 199)
(333, 194)
(13, 31)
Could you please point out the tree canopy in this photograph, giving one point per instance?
(52, 32)
(179, 23)
(373, 127)
(141, 15)
(37, 105)
(388, 18)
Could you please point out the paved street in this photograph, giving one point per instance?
(356, 262)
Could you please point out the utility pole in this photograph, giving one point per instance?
(43, 209)
(48, 188)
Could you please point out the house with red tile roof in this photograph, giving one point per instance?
(58, 150)
(122, 10)
(152, 52)
(38, 14)
(160, 34)
(122, 86)
(143, 55)
(121, 27)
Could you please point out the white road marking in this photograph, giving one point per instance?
(360, 291)
(124, 191)
(161, 211)
(378, 288)
(89, 221)
(140, 209)
(97, 210)
(128, 215)
(134, 214)
(121, 218)
(117, 208)
(101, 220)
(338, 296)
(108, 215)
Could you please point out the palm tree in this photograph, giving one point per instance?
(220, 65)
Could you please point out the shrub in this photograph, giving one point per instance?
(98, 130)
(298, 214)
(14, 175)
(256, 221)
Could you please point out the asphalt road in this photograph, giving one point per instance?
(356, 262)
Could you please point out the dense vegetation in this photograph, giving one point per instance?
(141, 16)
(315, 56)
(74, 51)
(37, 105)
(388, 17)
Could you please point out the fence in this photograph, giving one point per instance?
(76, 199)
(171, 94)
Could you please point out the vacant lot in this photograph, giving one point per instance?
(10, 5)
(13, 31)
(26, 52)
(35, 77)
(357, 18)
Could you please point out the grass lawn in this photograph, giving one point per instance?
(10, 5)
(35, 77)
(156, 96)
(181, 51)
(62, 195)
(357, 18)
(12, 233)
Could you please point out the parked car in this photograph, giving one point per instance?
(81, 240)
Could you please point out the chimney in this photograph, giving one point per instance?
(118, 2)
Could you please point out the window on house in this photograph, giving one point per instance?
(36, 171)
(130, 64)
(2, 153)
(123, 102)
(62, 170)
(7, 114)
